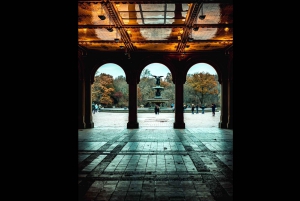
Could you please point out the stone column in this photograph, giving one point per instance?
(81, 91)
(230, 94)
(230, 106)
(81, 104)
(132, 108)
(224, 104)
(88, 104)
(179, 118)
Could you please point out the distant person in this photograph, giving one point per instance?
(93, 108)
(193, 108)
(213, 109)
(172, 105)
(197, 108)
(184, 107)
(96, 107)
(202, 107)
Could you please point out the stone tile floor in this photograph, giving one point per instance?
(155, 162)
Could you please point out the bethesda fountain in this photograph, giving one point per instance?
(158, 100)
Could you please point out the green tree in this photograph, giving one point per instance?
(169, 78)
(145, 90)
(121, 94)
(145, 73)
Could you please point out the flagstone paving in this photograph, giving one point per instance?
(155, 161)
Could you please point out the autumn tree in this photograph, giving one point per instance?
(102, 89)
(202, 85)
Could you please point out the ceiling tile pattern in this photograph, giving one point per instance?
(160, 26)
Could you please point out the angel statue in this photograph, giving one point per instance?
(157, 79)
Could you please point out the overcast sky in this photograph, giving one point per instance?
(155, 69)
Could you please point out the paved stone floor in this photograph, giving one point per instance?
(155, 162)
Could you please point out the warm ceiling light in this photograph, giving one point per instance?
(129, 33)
(110, 29)
(117, 36)
(202, 17)
(226, 29)
(102, 17)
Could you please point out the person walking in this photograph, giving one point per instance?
(96, 107)
(213, 109)
(93, 108)
(193, 108)
(202, 107)
(197, 108)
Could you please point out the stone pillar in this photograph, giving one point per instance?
(224, 104)
(230, 105)
(88, 104)
(132, 108)
(81, 104)
(230, 94)
(81, 92)
(179, 118)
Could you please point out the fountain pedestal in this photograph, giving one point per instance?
(158, 100)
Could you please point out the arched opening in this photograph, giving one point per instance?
(201, 90)
(156, 97)
(109, 97)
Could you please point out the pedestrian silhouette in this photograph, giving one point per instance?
(202, 107)
(213, 109)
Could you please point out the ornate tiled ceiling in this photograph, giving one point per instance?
(155, 26)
